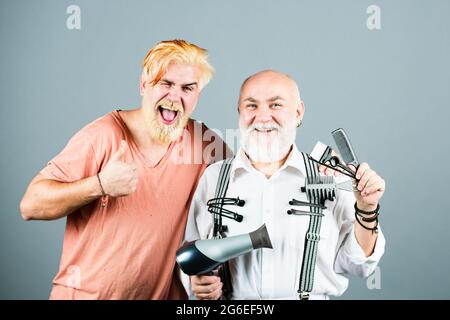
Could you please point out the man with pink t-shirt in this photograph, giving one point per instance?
(125, 182)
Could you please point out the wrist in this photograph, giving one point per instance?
(97, 190)
(366, 207)
(101, 184)
(92, 188)
(367, 217)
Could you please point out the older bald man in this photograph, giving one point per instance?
(267, 173)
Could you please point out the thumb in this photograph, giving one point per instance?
(120, 153)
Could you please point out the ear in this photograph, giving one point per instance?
(142, 83)
(300, 111)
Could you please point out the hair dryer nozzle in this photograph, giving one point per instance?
(260, 238)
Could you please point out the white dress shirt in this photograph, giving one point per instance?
(274, 273)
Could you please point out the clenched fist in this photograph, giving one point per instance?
(206, 287)
(370, 187)
(118, 177)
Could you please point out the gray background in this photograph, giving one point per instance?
(389, 88)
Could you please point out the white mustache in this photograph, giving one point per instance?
(263, 126)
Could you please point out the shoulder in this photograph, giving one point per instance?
(194, 124)
(108, 125)
(100, 137)
(211, 174)
(200, 131)
(209, 141)
(102, 133)
(214, 169)
(208, 183)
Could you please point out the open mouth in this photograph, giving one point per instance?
(168, 116)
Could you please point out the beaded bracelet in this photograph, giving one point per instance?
(367, 212)
(362, 214)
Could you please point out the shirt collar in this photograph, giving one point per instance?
(242, 163)
(295, 160)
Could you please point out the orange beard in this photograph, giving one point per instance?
(160, 131)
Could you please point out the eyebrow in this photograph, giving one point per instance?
(275, 99)
(182, 85)
(250, 99)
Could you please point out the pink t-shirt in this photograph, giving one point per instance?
(126, 249)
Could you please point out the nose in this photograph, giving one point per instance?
(174, 94)
(263, 114)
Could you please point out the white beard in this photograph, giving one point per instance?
(267, 147)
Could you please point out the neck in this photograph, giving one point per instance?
(134, 120)
(269, 168)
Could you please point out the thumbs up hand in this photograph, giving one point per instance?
(118, 177)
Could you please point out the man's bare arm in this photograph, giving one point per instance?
(47, 199)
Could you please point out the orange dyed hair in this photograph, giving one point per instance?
(160, 56)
